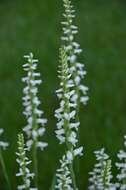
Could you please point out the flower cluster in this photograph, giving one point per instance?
(3, 144)
(101, 175)
(66, 127)
(64, 180)
(71, 92)
(35, 122)
(122, 168)
(73, 50)
(23, 162)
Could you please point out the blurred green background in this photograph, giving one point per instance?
(34, 25)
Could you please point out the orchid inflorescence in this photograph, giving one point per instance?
(71, 91)
(23, 161)
(35, 127)
(66, 127)
(63, 175)
(101, 176)
(73, 50)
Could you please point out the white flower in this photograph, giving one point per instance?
(78, 151)
(73, 138)
(35, 127)
(70, 156)
(42, 145)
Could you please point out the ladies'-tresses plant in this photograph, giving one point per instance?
(66, 126)
(23, 161)
(72, 92)
(35, 127)
(76, 69)
(101, 176)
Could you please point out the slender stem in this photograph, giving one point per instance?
(69, 147)
(73, 176)
(72, 170)
(77, 119)
(4, 170)
(35, 163)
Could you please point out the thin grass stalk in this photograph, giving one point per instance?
(4, 170)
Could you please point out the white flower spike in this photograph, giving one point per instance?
(67, 128)
(73, 50)
(63, 176)
(101, 175)
(23, 162)
(35, 127)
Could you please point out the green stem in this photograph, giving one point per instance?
(77, 162)
(72, 173)
(4, 170)
(35, 163)
(73, 176)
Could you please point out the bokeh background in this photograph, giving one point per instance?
(34, 25)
